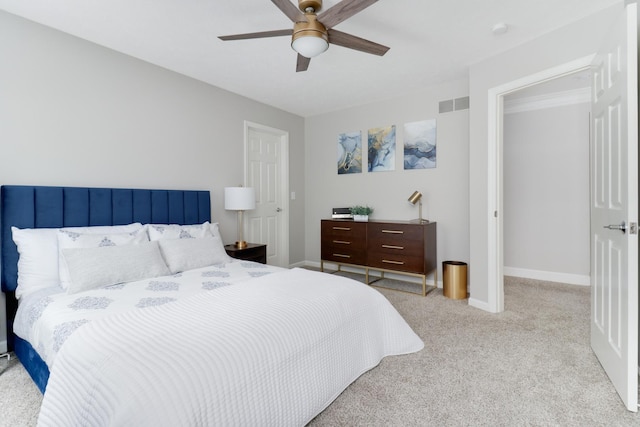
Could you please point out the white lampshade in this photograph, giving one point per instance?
(310, 46)
(239, 198)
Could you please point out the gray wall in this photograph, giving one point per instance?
(73, 113)
(445, 189)
(553, 49)
(546, 194)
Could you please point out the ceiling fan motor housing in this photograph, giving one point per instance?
(303, 5)
(311, 28)
(309, 31)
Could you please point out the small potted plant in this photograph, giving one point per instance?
(361, 213)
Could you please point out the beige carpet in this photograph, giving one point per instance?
(528, 366)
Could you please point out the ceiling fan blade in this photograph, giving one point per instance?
(302, 63)
(260, 35)
(353, 42)
(341, 11)
(290, 10)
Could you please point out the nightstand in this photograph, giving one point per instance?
(253, 252)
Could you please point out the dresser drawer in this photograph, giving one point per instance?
(393, 233)
(344, 254)
(410, 264)
(344, 229)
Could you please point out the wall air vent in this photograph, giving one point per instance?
(454, 105)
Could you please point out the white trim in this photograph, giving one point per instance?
(549, 276)
(548, 100)
(479, 304)
(495, 255)
(495, 281)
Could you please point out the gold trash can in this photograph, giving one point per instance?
(454, 279)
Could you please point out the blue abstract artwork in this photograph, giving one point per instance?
(420, 145)
(350, 152)
(381, 154)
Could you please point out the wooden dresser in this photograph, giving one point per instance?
(386, 246)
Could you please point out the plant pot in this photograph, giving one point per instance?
(361, 218)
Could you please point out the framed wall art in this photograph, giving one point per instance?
(350, 152)
(420, 145)
(381, 153)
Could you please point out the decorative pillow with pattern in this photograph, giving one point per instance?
(175, 231)
(187, 254)
(95, 267)
(70, 239)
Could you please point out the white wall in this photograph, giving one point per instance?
(73, 113)
(546, 193)
(551, 50)
(445, 189)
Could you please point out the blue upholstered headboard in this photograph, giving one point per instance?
(54, 207)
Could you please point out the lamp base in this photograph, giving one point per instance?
(419, 221)
(241, 244)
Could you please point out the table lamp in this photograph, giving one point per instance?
(416, 197)
(240, 199)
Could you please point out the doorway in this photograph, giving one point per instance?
(546, 181)
(496, 172)
(267, 170)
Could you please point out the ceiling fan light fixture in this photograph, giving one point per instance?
(309, 38)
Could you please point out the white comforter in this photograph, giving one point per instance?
(274, 350)
(47, 318)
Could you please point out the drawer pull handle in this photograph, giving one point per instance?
(393, 247)
(342, 242)
(393, 231)
(342, 228)
(342, 256)
(392, 262)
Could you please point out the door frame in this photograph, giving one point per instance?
(495, 241)
(283, 180)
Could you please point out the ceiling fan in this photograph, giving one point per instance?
(312, 33)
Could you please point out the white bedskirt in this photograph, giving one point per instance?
(275, 350)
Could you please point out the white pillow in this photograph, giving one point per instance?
(72, 239)
(91, 268)
(38, 250)
(38, 261)
(187, 254)
(213, 228)
(175, 231)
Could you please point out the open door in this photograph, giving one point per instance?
(614, 207)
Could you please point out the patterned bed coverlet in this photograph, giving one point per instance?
(274, 350)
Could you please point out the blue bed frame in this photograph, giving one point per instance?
(55, 207)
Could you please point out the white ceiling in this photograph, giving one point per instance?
(431, 41)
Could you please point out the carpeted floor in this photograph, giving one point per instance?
(529, 366)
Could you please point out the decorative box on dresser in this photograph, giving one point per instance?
(387, 246)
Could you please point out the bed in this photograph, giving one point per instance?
(191, 336)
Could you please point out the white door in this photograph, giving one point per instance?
(266, 167)
(614, 208)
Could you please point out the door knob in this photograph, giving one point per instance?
(278, 209)
(622, 227)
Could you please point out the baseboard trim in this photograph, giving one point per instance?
(548, 276)
(482, 305)
(303, 264)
